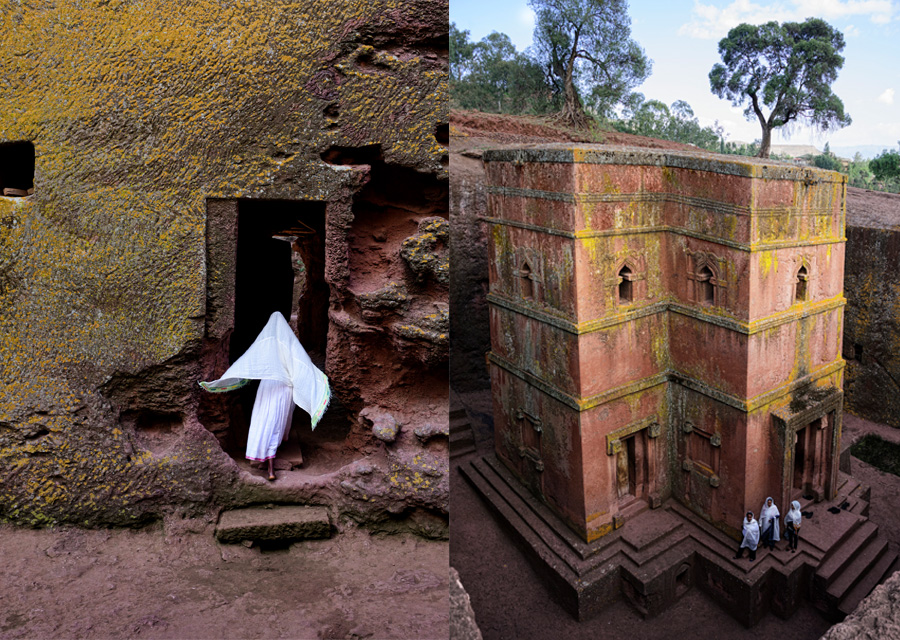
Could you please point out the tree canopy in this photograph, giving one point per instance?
(886, 165)
(786, 68)
(585, 47)
(653, 118)
(491, 75)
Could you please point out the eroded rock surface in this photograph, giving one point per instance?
(121, 279)
(876, 617)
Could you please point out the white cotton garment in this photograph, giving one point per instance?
(769, 515)
(270, 421)
(794, 515)
(751, 534)
(277, 355)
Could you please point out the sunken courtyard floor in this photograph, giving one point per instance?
(171, 582)
(510, 602)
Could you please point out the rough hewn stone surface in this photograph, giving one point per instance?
(462, 617)
(153, 124)
(876, 618)
(468, 294)
(283, 523)
(605, 393)
(872, 317)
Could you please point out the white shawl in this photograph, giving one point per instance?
(794, 515)
(751, 534)
(276, 354)
(768, 514)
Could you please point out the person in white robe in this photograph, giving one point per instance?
(750, 530)
(768, 524)
(792, 525)
(287, 377)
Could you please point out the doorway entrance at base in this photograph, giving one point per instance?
(809, 472)
(266, 256)
(632, 473)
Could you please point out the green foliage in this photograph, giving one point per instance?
(743, 149)
(858, 173)
(827, 160)
(491, 75)
(461, 53)
(678, 123)
(787, 68)
(586, 50)
(886, 165)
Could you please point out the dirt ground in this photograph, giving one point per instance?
(468, 129)
(867, 208)
(75, 583)
(510, 602)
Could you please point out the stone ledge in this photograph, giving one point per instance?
(273, 524)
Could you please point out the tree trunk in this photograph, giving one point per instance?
(573, 111)
(766, 143)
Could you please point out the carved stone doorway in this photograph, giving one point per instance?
(632, 473)
(265, 256)
(809, 468)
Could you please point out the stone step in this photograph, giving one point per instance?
(633, 509)
(864, 587)
(461, 441)
(862, 561)
(527, 524)
(277, 523)
(462, 437)
(843, 553)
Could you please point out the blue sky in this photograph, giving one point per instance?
(681, 37)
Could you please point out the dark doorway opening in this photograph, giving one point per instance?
(809, 455)
(16, 168)
(278, 266)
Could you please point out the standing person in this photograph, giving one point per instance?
(287, 377)
(792, 525)
(768, 524)
(751, 537)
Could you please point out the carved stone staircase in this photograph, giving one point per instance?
(462, 438)
(658, 554)
(857, 562)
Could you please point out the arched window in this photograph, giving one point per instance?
(525, 281)
(802, 280)
(626, 286)
(705, 288)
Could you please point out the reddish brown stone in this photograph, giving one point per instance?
(695, 378)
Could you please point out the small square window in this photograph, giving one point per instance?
(16, 169)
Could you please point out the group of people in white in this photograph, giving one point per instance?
(766, 531)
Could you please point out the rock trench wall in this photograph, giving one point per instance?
(872, 318)
(115, 299)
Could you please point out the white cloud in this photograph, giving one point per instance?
(711, 22)
(526, 17)
(887, 97)
(851, 31)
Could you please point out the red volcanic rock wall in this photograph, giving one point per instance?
(663, 324)
(872, 318)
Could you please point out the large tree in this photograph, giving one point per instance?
(586, 45)
(785, 68)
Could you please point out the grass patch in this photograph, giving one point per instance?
(879, 453)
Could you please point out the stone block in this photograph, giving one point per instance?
(273, 524)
